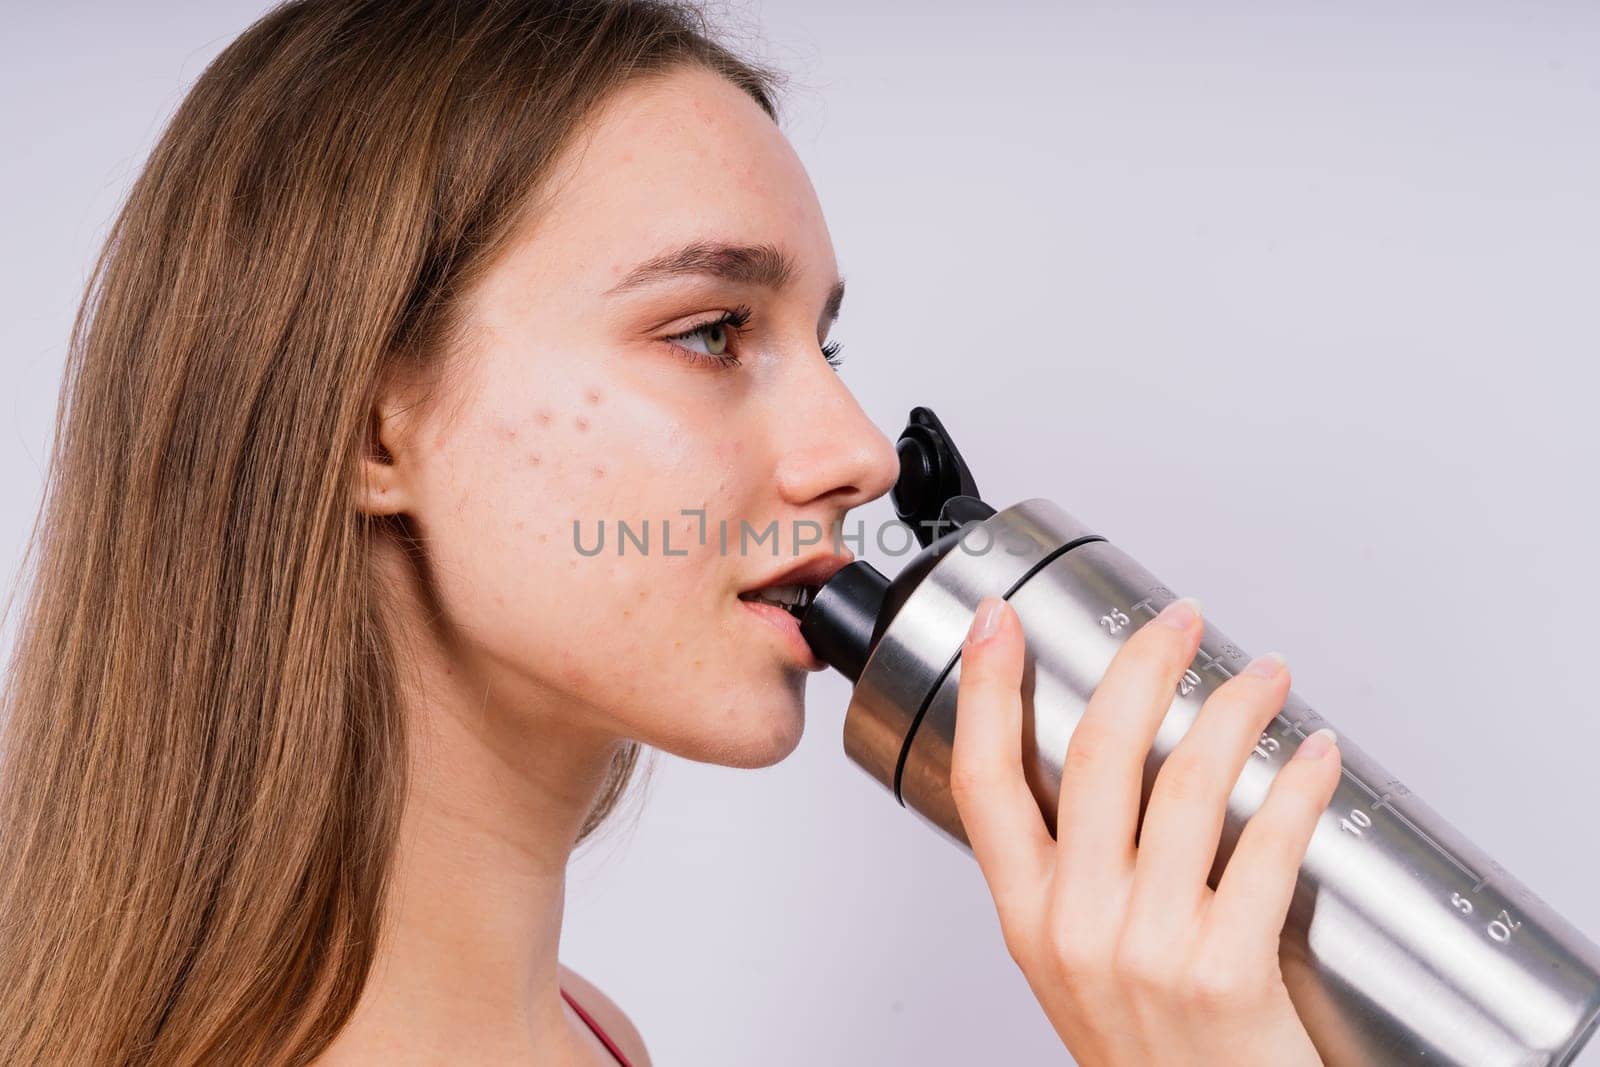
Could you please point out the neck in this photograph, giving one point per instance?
(497, 794)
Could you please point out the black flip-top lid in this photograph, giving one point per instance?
(932, 476)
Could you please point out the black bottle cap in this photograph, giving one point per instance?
(840, 622)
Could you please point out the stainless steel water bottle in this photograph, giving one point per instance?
(1404, 944)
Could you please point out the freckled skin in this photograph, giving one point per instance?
(653, 647)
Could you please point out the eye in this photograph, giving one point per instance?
(710, 339)
(830, 352)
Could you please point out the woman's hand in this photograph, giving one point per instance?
(1135, 959)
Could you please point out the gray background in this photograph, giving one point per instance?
(1294, 302)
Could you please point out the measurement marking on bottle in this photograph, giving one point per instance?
(1357, 821)
(1144, 605)
(1382, 802)
(1499, 929)
(1214, 663)
(1116, 620)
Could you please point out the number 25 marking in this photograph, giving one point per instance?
(1114, 620)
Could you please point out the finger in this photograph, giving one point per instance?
(1189, 802)
(1252, 899)
(1102, 774)
(998, 811)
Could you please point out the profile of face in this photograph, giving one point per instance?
(649, 351)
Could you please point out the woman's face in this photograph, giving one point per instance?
(587, 400)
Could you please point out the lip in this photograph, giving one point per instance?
(813, 571)
(788, 629)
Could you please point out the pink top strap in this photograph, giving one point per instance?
(611, 1046)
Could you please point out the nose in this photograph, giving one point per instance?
(830, 452)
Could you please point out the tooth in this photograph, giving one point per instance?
(781, 595)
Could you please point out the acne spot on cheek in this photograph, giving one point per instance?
(543, 417)
(520, 524)
(533, 459)
(570, 669)
(582, 422)
(592, 395)
(599, 472)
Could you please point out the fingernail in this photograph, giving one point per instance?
(1180, 614)
(1266, 665)
(987, 621)
(1317, 744)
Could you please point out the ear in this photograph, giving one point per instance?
(385, 480)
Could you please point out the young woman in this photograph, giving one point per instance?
(314, 692)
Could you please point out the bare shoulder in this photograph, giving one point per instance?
(610, 1017)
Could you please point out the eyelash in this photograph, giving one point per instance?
(736, 319)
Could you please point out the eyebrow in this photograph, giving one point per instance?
(764, 265)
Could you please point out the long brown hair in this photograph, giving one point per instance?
(203, 757)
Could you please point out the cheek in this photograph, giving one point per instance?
(575, 450)
(522, 493)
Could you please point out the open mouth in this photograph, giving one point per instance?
(793, 588)
(792, 598)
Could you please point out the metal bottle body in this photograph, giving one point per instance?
(1404, 942)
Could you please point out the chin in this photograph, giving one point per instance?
(751, 735)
